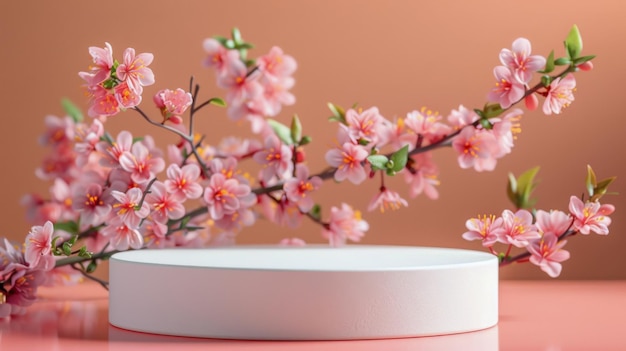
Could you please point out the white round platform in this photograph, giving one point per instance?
(304, 293)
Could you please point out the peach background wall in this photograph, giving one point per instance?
(397, 55)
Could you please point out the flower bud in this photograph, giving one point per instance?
(586, 66)
(531, 102)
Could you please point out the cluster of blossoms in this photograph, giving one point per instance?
(542, 234)
(115, 193)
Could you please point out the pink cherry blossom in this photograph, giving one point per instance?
(121, 236)
(240, 85)
(23, 290)
(126, 97)
(276, 64)
(547, 253)
(275, 158)
(225, 196)
(102, 62)
(91, 203)
(127, 207)
(104, 104)
(281, 211)
(475, 149)
(349, 162)
(142, 165)
(86, 139)
(344, 224)
(111, 152)
(590, 216)
(507, 90)
(560, 94)
(275, 95)
(484, 228)
(518, 228)
(172, 103)
(422, 176)
(520, 61)
(386, 199)
(164, 206)
(298, 189)
(462, 117)
(58, 130)
(398, 135)
(217, 54)
(38, 252)
(553, 222)
(134, 70)
(427, 124)
(234, 222)
(366, 125)
(183, 182)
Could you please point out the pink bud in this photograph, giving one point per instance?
(531, 102)
(586, 66)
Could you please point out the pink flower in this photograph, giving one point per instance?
(422, 176)
(282, 212)
(226, 196)
(22, 291)
(11, 260)
(275, 158)
(559, 95)
(344, 224)
(58, 130)
(386, 199)
(520, 61)
(276, 64)
(39, 247)
(121, 236)
(462, 117)
(427, 124)
(298, 189)
(86, 140)
(102, 62)
(114, 150)
(235, 221)
(547, 253)
(590, 216)
(126, 97)
(241, 86)
(518, 228)
(475, 147)
(485, 228)
(140, 163)
(127, 207)
(275, 95)
(172, 103)
(163, 204)
(90, 202)
(217, 54)
(183, 182)
(398, 135)
(366, 126)
(553, 222)
(104, 104)
(507, 90)
(134, 70)
(349, 162)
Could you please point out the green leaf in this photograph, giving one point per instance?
(511, 189)
(339, 114)
(486, 124)
(399, 158)
(67, 248)
(549, 63)
(236, 34)
(590, 180)
(525, 186)
(479, 112)
(296, 129)
(574, 42)
(316, 212)
(492, 110)
(69, 226)
(229, 44)
(562, 61)
(378, 162)
(217, 102)
(72, 110)
(91, 267)
(584, 59)
(305, 140)
(84, 253)
(282, 131)
(221, 40)
(546, 80)
(601, 188)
